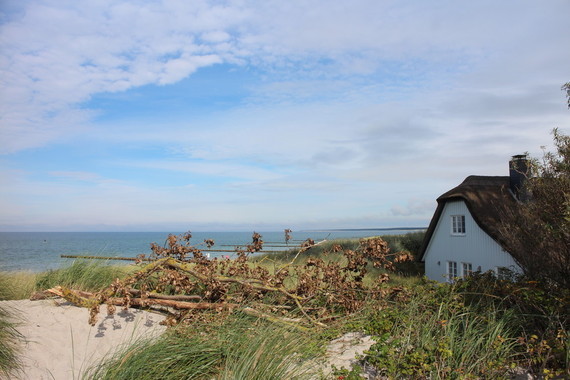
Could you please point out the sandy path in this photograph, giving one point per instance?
(61, 345)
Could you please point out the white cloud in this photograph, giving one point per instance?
(57, 54)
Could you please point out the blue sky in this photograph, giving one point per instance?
(241, 115)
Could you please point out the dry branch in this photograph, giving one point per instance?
(138, 293)
(145, 302)
(303, 248)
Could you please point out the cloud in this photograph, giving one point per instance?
(57, 54)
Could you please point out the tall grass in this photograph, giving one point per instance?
(433, 334)
(82, 275)
(10, 340)
(16, 285)
(239, 348)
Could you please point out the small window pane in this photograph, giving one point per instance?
(458, 224)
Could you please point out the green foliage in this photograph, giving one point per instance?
(435, 335)
(539, 315)
(536, 231)
(355, 373)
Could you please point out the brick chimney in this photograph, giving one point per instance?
(518, 173)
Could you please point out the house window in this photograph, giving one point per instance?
(466, 269)
(451, 270)
(458, 224)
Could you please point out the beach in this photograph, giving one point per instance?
(61, 345)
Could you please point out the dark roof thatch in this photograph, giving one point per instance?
(486, 198)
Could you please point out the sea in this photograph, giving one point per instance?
(41, 251)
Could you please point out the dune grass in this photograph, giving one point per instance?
(239, 348)
(80, 274)
(16, 285)
(83, 275)
(10, 338)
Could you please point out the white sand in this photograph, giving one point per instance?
(61, 345)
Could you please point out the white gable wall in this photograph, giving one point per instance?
(475, 247)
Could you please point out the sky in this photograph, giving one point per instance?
(262, 115)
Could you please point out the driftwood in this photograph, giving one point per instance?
(121, 295)
(92, 301)
(255, 284)
(85, 299)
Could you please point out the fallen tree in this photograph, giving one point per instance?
(181, 281)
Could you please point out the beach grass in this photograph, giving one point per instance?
(10, 343)
(17, 285)
(80, 274)
(83, 275)
(238, 348)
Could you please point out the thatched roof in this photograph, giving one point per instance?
(486, 198)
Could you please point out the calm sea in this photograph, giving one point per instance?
(39, 251)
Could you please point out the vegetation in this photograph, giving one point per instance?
(237, 347)
(10, 341)
(82, 275)
(537, 230)
(16, 285)
(479, 327)
(271, 316)
(10, 338)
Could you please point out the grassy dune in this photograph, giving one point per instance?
(479, 328)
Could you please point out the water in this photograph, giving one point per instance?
(40, 251)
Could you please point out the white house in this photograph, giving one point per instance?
(463, 235)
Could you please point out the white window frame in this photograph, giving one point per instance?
(458, 225)
(451, 270)
(466, 269)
